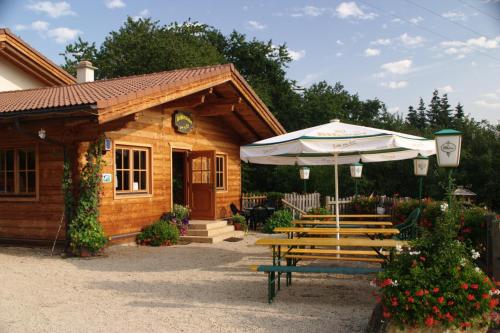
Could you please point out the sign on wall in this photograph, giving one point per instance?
(107, 178)
(183, 121)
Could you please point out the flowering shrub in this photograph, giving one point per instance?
(180, 216)
(366, 205)
(159, 233)
(472, 229)
(435, 283)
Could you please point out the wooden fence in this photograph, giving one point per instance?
(304, 202)
(252, 200)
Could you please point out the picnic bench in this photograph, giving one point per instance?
(342, 223)
(342, 216)
(296, 250)
(290, 231)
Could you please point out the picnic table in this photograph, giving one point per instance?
(333, 216)
(381, 224)
(334, 231)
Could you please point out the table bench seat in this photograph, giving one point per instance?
(323, 257)
(331, 251)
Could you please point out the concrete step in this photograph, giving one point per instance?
(210, 232)
(206, 224)
(213, 239)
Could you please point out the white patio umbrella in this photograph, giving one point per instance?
(336, 143)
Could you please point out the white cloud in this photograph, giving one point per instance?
(63, 35)
(339, 42)
(491, 95)
(254, 25)
(446, 89)
(462, 48)
(397, 20)
(455, 15)
(40, 26)
(310, 11)
(372, 52)
(394, 109)
(339, 54)
(416, 20)
(394, 84)
(52, 9)
(142, 14)
(488, 104)
(20, 27)
(296, 55)
(411, 41)
(112, 4)
(352, 10)
(381, 41)
(309, 79)
(397, 67)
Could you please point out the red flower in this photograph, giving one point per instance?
(386, 282)
(394, 302)
(464, 286)
(474, 286)
(450, 303)
(429, 321)
(426, 291)
(465, 324)
(440, 299)
(422, 258)
(470, 297)
(493, 302)
(486, 296)
(386, 314)
(477, 305)
(411, 300)
(449, 317)
(435, 290)
(435, 309)
(419, 293)
(407, 292)
(467, 230)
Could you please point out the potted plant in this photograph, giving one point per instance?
(239, 222)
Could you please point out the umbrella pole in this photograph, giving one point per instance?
(337, 216)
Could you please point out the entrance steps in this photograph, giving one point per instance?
(208, 231)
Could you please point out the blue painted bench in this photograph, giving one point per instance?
(273, 270)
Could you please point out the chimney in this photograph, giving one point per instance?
(85, 71)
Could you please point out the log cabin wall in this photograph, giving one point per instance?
(153, 128)
(39, 217)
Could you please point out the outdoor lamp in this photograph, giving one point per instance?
(356, 171)
(448, 146)
(304, 175)
(42, 134)
(420, 165)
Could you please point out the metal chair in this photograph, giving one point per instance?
(408, 229)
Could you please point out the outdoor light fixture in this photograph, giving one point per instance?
(304, 175)
(356, 172)
(42, 134)
(420, 165)
(448, 147)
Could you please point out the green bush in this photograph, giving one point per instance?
(319, 211)
(180, 212)
(473, 227)
(159, 233)
(364, 205)
(435, 283)
(237, 218)
(280, 218)
(274, 199)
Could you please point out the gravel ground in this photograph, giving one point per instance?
(184, 288)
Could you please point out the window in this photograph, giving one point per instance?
(201, 170)
(132, 170)
(220, 172)
(18, 172)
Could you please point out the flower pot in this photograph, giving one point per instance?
(237, 226)
(380, 210)
(85, 253)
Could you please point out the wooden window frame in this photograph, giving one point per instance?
(148, 192)
(224, 172)
(18, 196)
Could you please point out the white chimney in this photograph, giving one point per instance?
(85, 72)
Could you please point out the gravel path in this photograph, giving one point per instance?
(185, 288)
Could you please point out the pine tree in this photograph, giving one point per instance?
(412, 117)
(421, 115)
(444, 116)
(434, 109)
(459, 112)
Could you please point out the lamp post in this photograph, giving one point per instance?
(304, 175)
(356, 172)
(420, 169)
(448, 147)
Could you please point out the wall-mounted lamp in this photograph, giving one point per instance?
(42, 134)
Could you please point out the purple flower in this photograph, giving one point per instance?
(185, 221)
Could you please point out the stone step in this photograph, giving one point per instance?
(206, 224)
(210, 232)
(213, 239)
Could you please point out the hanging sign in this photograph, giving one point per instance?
(183, 122)
(107, 178)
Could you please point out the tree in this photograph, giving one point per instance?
(422, 115)
(459, 112)
(412, 117)
(434, 109)
(444, 115)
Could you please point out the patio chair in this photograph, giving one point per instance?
(408, 229)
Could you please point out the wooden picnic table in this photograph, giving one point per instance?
(342, 223)
(318, 216)
(334, 231)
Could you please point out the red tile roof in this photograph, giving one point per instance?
(105, 93)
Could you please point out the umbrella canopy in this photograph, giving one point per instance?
(337, 143)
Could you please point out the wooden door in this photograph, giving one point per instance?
(202, 184)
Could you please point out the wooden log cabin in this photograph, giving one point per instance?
(171, 137)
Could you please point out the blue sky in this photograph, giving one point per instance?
(396, 50)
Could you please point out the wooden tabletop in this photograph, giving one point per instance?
(312, 241)
(314, 216)
(316, 222)
(334, 231)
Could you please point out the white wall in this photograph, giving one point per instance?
(13, 78)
